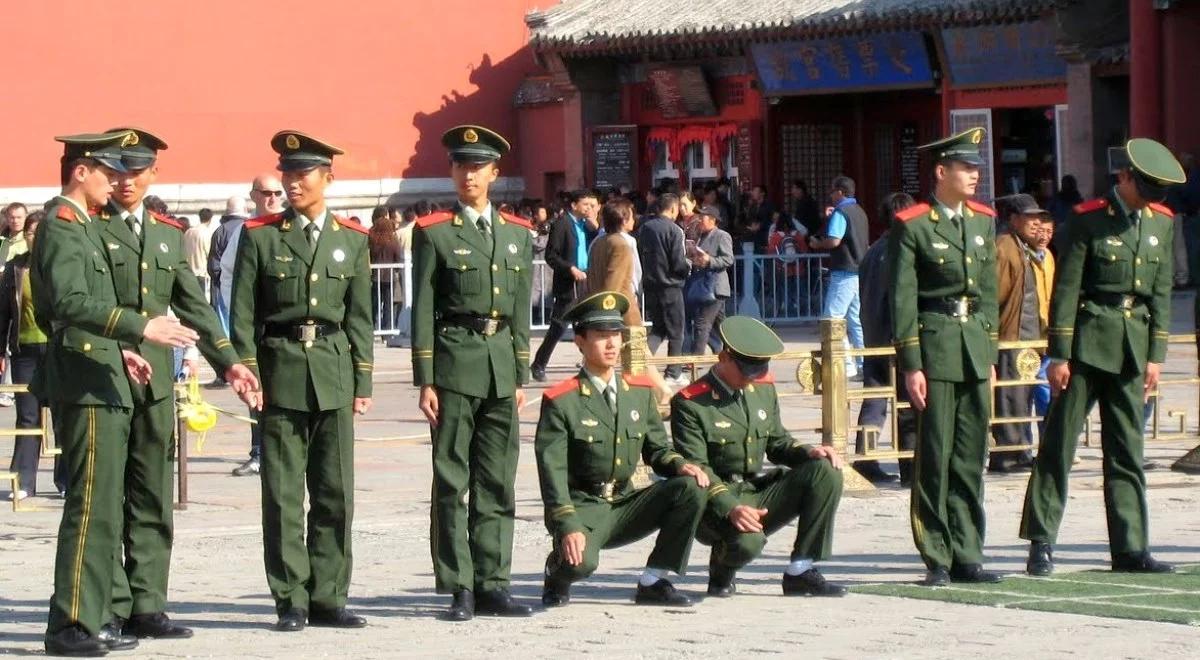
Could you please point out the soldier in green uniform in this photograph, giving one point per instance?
(1109, 321)
(84, 378)
(947, 340)
(150, 273)
(470, 347)
(726, 423)
(301, 318)
(593, 429)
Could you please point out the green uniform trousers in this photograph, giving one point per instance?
(140, 573)
(673, 507)
(307, 571)
(1121, 406)
(475, 449)
(947, 491)
(93, 441)
(808, 494)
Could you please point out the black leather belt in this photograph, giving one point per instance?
(740, 477)
(1123, 301)
(484, 325)
(309, 330)
(605, 489)
(956, 307)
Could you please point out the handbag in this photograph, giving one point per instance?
(698, 289)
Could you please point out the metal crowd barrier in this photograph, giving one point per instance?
(48, 448)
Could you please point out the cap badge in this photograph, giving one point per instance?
(129, 140)
(292, 142)
(977, 136)
(470, 136)
(608, 303)
(339, 255)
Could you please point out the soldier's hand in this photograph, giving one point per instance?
(571, 547)
(828, 453)
(362, 404)
(241, 378)
(519, 395)
(429, 404)
(254, 399)
(579, 275)
(137, 367)
(915, 382)
(1153, 373)
(747, 518)
(694, 471)
(168, 331)
(1059, 375)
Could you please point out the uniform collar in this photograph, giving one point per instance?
(955, 212)
(75, 205)
(138, 212)
(319, 220)
(601, 385)
(473, 216)
(721, 385)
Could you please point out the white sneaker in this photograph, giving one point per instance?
(19, 495)
(678, 381)
(6, 399)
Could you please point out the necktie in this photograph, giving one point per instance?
(310, 233)
(610, 395)
(134, 225)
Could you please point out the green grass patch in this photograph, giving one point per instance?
(1171, 598)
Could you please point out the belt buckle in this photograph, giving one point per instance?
(606, 490)
(1127, 302)
(962, 307)
(736, 478)
(490, 327)
(308, 332)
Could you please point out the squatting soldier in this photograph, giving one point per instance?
(301, 318)
(947, 339)
(593, 430)
(1109, 321)
(470, 347)
(726, 422)
(149, 270)
(84, 378)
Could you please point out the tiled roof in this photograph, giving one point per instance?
(599, 25)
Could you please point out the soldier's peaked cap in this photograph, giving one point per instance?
(962, 146)
(140, 150)
(298, 151)
(474, 144)
(604, 310)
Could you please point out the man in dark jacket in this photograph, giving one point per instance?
(664, 269)
(567, 256)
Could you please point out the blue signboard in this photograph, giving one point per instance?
(1015, 54)
(893, 60)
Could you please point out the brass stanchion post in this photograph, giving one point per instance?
(835, 408)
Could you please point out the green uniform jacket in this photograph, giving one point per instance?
(152, 275)
(454, 273)
(933, 261)
(76, 305)
(279, 279)
(728, 436)
(580, 441)
(1107, 255)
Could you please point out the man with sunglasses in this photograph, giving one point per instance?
(726, 423)
(1109, 323)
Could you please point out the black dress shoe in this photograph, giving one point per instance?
(811, 583)
(74, 641)
(1041, 559)
(875, 474)
(292, 620)
(500, 603)
(110, 635)
(936, 577)
(1139, 562)
(155, 626)
(555, 592)
(661, 593)
(721, 580)
(462, 608)
(337, 618)
(538, 374)
(973, 574)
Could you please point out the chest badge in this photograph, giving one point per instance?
(462, 252)
(162, 247)
(940, 246)
(512, 249)
(979, 241)
(589, 422)
(762, 414)
(114, 246)
(339, 255)
(1114, 241)
(283, 257)
(1153, 240)
(635, 415)
(722, 424)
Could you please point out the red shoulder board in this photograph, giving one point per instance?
(435, 218)
(768, 379)
(167, 220)
(638, 381)
(981, 208)
(560, 389)
(1091, 205)
(517, 220)
(695, 389)
(1165, 210)
(350, 224)
(912, 212)
(263, 220)
(65, 213)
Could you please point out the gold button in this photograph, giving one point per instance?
(495, 268)
(145, 265)
(145, 290)
(495, 314)
(313, 277)
(308, 344)
(618, 441)
(962, 319)
(145, 313)
(1112, 257)
(1128, 314)
(941, 261)
(312, 301)
(968, 259)
(87, 347)
(749, 439)
(970, 281)
(517, 268)
(1138, 261)
(1137, 282)
(462, 267)
(589, 438)
(282, 275)
(618, 461)
(496, 289)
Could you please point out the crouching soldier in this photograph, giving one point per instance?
(593, 428)
(726, 422)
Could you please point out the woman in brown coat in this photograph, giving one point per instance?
(613, 263)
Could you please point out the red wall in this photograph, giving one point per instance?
(542, 130)
(1181, 71)
(217, 78)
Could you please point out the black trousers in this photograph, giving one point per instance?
(27, 450)
(705, 318)
(562, 302)
(664, 310)
(876, 373)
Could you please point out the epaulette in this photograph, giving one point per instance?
(912, 212)
(767, 378)
(695, 389)
(167, 220)
(263, 220)
(350, 224)
(435, 218)
(1090, 205)
(1163, 209)
(65, 213)
(560, 389)
(981, 208)
(517, 220)
(640, 380)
